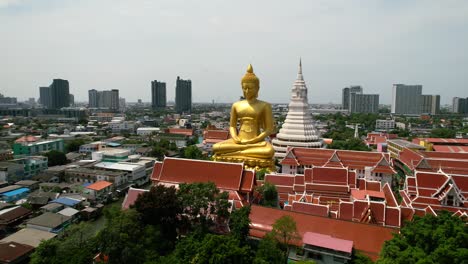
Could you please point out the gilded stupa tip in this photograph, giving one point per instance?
(250, 68)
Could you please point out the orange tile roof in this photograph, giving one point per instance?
(226, 176)
(180, 131)
(368, 239)
(99, 185)
(216, 134)
(131, 197)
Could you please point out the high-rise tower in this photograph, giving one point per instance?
(158, 94)
(298, 129)
(183, 98)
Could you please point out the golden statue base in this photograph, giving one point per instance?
(250, 163)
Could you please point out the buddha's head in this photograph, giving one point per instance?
(250, 84)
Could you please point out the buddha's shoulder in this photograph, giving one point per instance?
(263, 103)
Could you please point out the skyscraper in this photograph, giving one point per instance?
(60, 93)
(93, 98)
(363, 103)
(406, 99)
(430, 104)
(158, 94)
(45, 97)
(298, 129)
(183, 96)
(104, 99)
(347, 91)
(460, 105)
(72, 100)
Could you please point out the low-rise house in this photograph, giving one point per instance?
(14, 195)
(68, 202)
(12, 252)
(30, 184)
(50, 222)
(29, 236)
(11, 171)
(52, 207)
(100, 190)
(323, 249)
(71, 212)
(13, 216)
(135, 173)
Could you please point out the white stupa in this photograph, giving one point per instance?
(298, 129)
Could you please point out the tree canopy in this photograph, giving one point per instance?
(430, 239)
(269, 195)
(55, 157)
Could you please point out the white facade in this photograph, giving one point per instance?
(146, 131)
(298, 129)
(382, 124)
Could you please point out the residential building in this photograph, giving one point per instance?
(60, 94)
(49, 222)
(147, 131)
(363, 103)
(90, 175)
(158, 94)
(14, 195)
(11, 172)
(460, 105)
(29, 236)
(122, 126)
(134, 172)
(100, 190)
(7, 102)
(384, 124)
(111, 154)
(45, 97)
(298, 129)
(104, 99)
(12, 252)
(30, 146)
(183, 97)
(430, 104)
(346, 95)
(406, 99)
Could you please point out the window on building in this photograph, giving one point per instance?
(313, 255)
(450, 200)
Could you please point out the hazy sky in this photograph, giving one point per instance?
(124, 44)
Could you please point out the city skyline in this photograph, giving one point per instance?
(124, 45)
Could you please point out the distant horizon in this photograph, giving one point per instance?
(117, 44)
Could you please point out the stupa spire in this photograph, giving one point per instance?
(299, 73)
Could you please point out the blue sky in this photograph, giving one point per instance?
(117, 44)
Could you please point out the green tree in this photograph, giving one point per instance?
(161, 208)
(442, 133)
(239, 223)
(285, 231)
(260, 175)
(55, 158)
(192, 152)
(200, 202)
(269, 251)
(211, 249)
(430, 239)
(158, 152)
(269, 195)
(349, 144)
(74, 145)
(76, 245)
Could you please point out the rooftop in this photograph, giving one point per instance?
(329, 242)
(49, 220)
(405, 144)
(123, 166)
(11, 252)
(29, 236)
(99, 185)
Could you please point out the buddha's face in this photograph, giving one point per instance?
(250, 90)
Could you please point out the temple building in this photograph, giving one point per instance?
(298, 128)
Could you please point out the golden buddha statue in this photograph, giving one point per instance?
(255, 119)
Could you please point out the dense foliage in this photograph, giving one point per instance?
(55, 158)
(268, 195)
(441, 239)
